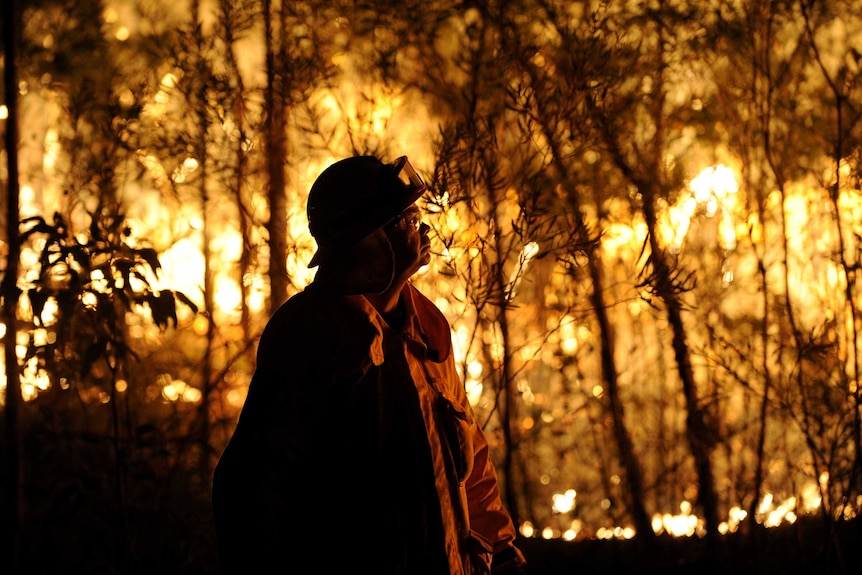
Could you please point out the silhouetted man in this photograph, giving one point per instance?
(356, 449)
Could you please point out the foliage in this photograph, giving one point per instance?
(93, 284)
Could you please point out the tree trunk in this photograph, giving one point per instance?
(850, 266)
(699, 435)
(509, 411)
(628, 458)
(239, 113)
(206, 231)
(663, 279)
(275, 158)
(8, 290)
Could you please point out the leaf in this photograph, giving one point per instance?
(37, 297)
(183, 298)
(150, 256)
(41, 227)
(164, 309)
(136, 273)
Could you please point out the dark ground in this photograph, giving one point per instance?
(793, 550)
(800, 549)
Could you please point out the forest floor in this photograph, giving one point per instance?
(799, 549)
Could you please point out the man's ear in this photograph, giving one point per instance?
(367, 267)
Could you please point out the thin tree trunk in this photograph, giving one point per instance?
(509, 411)
(767, 385)
(239, 113)
(545, 118)
(764, 114)
(275, 157)
(628, 458)
(849, 268)
(208, 292)
(8, 290)
(699, 436)
(663, 282)
(126, 552)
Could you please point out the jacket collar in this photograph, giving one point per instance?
(425, 326)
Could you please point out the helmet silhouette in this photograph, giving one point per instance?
(354, 197)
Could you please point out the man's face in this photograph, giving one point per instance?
(411, 245)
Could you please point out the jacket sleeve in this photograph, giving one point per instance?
(487, 516)
(489, 521)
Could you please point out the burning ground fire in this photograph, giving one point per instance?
(771, 512)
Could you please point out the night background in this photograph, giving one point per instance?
(647, 233)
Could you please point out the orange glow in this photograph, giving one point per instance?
(178, 390)
(564, 502)
(549, 344)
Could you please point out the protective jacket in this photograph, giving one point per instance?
(357, 438)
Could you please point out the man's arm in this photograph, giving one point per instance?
(487, 515)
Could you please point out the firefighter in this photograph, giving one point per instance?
(356, 449)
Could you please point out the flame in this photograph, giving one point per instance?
(177, 390)
(712, 192)
(683, 524)
(735, 517)
(183, 268)
(564, 502)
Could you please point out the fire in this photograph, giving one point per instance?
(712, 192)
(370, 114)
(183, 268)
(564, 502)
(177, 390)
(684, 524)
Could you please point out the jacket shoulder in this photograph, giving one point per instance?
(435, 326)
(311, 325)
(295, 321)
